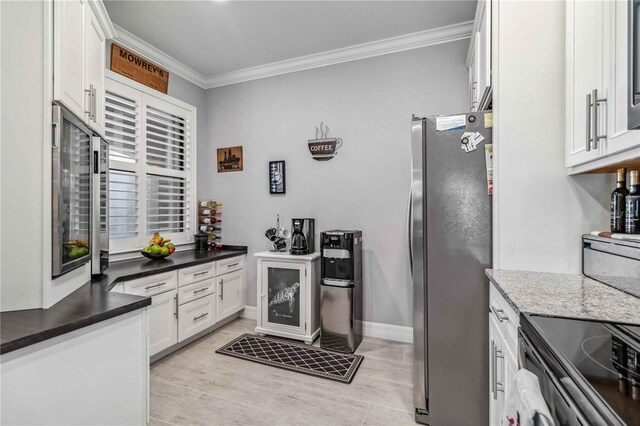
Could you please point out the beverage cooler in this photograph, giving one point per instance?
(76, 154)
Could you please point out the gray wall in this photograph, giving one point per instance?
(368, 104)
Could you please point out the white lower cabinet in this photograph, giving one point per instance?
(231, 294)
(163, 320)
(196, 316)
(503, 325)
(190, 300)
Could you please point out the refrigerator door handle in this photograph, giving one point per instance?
(410, 230)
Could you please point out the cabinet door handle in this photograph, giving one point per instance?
(200, 316)
(175, 313)
(201, 290)
(154, 286)
(94, 103)
(499, 313)
(57, 126)
(222, 289)
(499, 385)
(596, 105)
(494, 367)
(89, 101)
(588, 121)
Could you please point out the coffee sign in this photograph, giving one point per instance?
(323, 148)
(127, 63)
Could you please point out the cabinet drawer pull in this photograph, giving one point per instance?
(201, 273)
(499, 314)
(233, 264)
(200, 316)
(201, 290)
(149, 287)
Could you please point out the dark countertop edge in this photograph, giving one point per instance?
(502, 292)
(235, 251)
(41, 336)
(96, 285)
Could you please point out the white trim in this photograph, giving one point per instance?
(387, 46)
(480, 6)
(153, 54)
(249, 312)
(446, 34)
(396, 333)
(102, 15)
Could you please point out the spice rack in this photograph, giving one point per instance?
(209, 222)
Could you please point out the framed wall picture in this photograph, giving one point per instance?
(277, 177)
(230, 159)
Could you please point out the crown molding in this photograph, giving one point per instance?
(446, 34)
(157, 56)
(103, 18)
(386, 46)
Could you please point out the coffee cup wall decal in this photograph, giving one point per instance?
(323, 147)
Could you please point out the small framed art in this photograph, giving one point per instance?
(277, 177)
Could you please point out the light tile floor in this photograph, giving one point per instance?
(196, 386)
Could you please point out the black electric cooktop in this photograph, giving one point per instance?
(603, 356)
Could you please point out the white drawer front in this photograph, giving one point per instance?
(195, 316)
(230, 265)
(151, 285)
(193, 274)
(506, 318)
(196, 290)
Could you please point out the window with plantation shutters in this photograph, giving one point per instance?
(167, 204)
(121, 127)
(151, 174)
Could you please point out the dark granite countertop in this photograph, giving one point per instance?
(86, 306)
(565, 295)
(142, 267)
(93, 302)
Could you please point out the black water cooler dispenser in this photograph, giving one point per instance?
(341, 290)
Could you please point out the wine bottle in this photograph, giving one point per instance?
(617, 201)
(632, 203)
(210, 204)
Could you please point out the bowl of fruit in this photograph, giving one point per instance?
(158, 247)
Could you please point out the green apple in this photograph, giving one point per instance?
(155, 249)
(164, 251)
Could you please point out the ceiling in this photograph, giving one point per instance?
(215, 37)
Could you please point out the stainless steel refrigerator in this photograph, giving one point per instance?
(450, 246)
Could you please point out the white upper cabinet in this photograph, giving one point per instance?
(95, 62)
(68, 53)
(80, 31)
(479, 58)
(597, 66)
(584, 76)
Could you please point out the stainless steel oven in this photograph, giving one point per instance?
(633, 37)
(71, 192)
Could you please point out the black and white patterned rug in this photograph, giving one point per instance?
(294, 356)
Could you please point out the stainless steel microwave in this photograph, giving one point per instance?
(633, 91)
(79, 201)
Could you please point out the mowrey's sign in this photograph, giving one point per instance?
(139, 69)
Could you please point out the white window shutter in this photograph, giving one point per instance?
(122, 119)
(124, 197)
(167, 139)
(168, 206)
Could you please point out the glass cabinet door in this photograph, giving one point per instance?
(71, 195)
(283, 296)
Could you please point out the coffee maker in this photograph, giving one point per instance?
(302, 234)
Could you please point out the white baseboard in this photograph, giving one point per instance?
(250, 312)
(397, 333)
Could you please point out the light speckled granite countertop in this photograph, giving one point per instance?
(566, 295)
